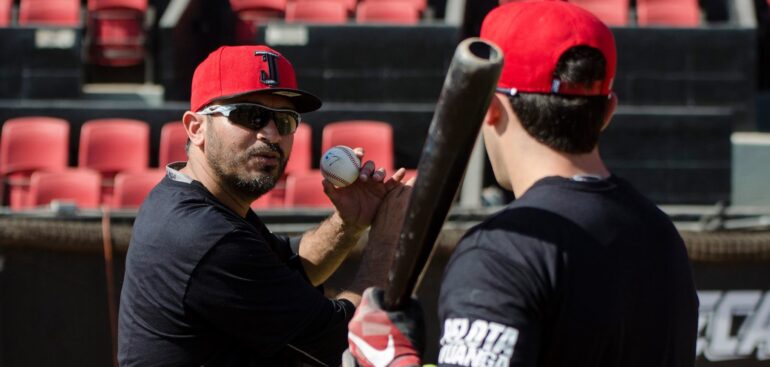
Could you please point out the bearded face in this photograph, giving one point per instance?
(252, 171)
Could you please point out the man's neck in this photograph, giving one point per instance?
(546, 162)
(205, 175)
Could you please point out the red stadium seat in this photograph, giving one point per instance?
(301, 151)
(251, 13)
(241, 5)
(305, 190)
(316, 11)
(29, 144)
(611, 12)
(5, 12)
(115, 32)
(81, 186)
(376, 137)
(64, 13)
(114, 145)
(132, 187)
(419, 4)
(350, 5)
(299, 163)
(173, 139)
(395, 12)
(679, 13)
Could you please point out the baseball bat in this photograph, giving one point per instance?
(468, 88)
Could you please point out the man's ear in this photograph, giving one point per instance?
(494, 111)
(195, 125)
(611, 107)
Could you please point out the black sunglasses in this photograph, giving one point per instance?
(256, 117)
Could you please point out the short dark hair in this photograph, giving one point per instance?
(569, 124)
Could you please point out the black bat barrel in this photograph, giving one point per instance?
(468, 88)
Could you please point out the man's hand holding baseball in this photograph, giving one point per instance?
(357, 204)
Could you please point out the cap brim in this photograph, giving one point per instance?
(303, 101)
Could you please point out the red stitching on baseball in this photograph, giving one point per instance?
(355, 161)
(337, 178)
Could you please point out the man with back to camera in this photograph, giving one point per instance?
(206, 283)
(581, 269)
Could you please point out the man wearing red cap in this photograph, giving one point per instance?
(581, 269)
(206, 283)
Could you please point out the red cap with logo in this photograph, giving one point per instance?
(233, 71)
(534, 34)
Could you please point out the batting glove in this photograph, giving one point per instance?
(379, 338)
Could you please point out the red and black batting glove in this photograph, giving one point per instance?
(379, 338)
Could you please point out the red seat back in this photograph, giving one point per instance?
(116, 32)
(317, 11)
(114, 145)
(251, 13)
(131, 188)
(241, 5)
(138, 5)
(49, 12)
(679, 13)
(396, 12)
(420, 5)
(611, 12)
(173, 139)
(306, 190)
(34, 143)
(5, 12)
(29, 144)
(376, 137)
(81, 186)
(301, 151)
(350, 5)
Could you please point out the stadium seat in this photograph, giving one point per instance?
(81, 186)
(376, 137)
(419, 4)
(243, 5)
(316, 11)
(5, 12)
(394, 12)
(29, 144)
(110, 146)
(65, 13)
(678, 13)
(132, 187)
(115, 32)
(611, 12)
(350, 5)
(173, 139)
(302, 151)
(306, 191)
(251, 13)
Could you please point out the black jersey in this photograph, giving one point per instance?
(207, 287)
(571, 274)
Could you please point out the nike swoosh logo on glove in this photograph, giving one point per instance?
(378, 358)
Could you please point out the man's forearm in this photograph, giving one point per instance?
(373, 272)
(323, 249)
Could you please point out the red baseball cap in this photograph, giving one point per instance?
(233, 71)
(534, 34)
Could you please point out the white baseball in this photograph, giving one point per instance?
(340, 166)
